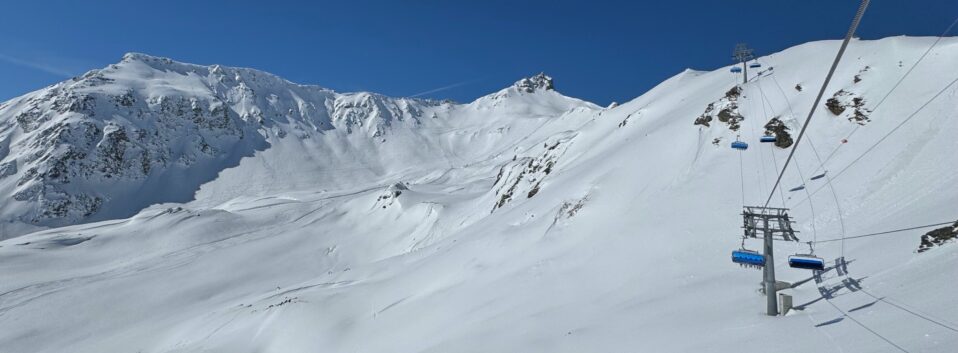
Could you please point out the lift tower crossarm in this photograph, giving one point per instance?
(742, 54)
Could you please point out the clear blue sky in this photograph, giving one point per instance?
(600, 51)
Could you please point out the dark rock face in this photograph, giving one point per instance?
(730, 116)
(938, 237)
(835, 106)
(531, 84)
(8, 169)
(706, 117)
(526, 174)
(390, 195)
(860, 115)
(843, 100)
(777, 128)
(858, 77)
(733, 93)
(78, 142)
(727, 111)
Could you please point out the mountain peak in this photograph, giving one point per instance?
(134, 56)
(531, 84)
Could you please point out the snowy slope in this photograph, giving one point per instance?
(522, 221)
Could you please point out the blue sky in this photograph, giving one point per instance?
(600, 51)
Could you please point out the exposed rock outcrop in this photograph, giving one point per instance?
(842, 100)
(525, 175)
(938, 237)
(724, 110)
(531, 84)
(777, 128)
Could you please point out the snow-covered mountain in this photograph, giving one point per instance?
(148, 130)
(157, 206)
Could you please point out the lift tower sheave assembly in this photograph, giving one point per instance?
(774, 224)
(742, 54)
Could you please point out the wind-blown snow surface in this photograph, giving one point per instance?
(523, 221)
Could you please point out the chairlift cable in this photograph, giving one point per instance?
(926, 318)
(885, 232)
(845, 314)
(741, 174)
(765, 113)
(821, 92)
(761, 155)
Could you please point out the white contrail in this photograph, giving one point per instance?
(443, 88)
(36, 66)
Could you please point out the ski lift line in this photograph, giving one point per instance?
(811, 207)
(884, 232)
(761, 155)
(818, 157)
(761, 152)
(792, 112)
(842, 239)
(838, 209)
(780, 193)
(765, 99)
(865, 327)
(741, 174)
(926, 318)
(883, 138)
(774, 161)
(812, 320)
(824, 174)
(821, 92)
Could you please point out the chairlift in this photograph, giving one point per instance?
(739, 145)
(768, 138)
(797, 188)
(736, 69)
(806, 261)
(819, 176)
(748, 258)
(754, 65)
